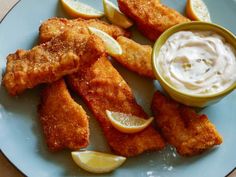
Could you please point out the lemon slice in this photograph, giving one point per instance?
(197, 10)
(128, 123)
(115, 15)
(97, 162)
(111, 45)
(76, 9)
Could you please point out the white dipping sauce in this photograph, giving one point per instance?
(197, 62)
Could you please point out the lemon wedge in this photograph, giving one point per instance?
(127, 123)
(112, 47)
(97, 162)
(76, 9)
(197, 10)
(115, 16)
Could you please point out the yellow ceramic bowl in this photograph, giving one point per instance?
(189, 99)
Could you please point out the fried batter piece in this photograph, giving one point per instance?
(183, 128)
(135, 57)
(151, 17)
(102, 88)
(55, 26)
(64, 122)
(50, 61)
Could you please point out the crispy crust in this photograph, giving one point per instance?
(64, 122)
(182, 127)
(102, 88)
(151, 17)
(136, 57)
(55, 26)
(50, 61)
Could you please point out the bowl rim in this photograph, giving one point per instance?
(181, 27)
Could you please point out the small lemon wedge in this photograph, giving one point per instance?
(128, 123)
(97, 162)
(115, 15)
(197, 10)
(112, 47)
(76, 9)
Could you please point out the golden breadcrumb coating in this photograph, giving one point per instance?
(50, 61)
(135, 57)
(151, 17)
(64, 122)
(55, 26)
(183, 128)
(102, 88)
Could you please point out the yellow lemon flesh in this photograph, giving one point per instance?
(97, 162)
(76, 9)
(197, 10)
(115, 16)
(128, 123)
(112, 47)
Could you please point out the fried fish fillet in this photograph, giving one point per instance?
(102, 88)
(50, 61)
(55, 26)
(183, 128)
(151, 17)
(64, 122)
(135, 57)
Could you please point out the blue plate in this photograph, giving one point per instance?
(21, 136)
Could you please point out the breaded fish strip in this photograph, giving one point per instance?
(135, 57)
(151, 17)
(50, 61)
(64, 122)
(102, 88)
(55, 26)
(183, 128)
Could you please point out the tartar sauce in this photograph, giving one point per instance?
(197, 62)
